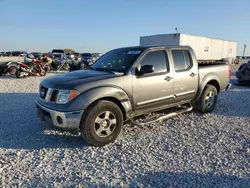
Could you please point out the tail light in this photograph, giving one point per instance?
(229, 72)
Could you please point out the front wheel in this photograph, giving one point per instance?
(55, 65)
(65, 67)
(208, 99)
(47, 68)
(20, 74)
(102, 123)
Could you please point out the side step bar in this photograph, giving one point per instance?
(172, 114)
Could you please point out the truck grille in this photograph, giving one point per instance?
(54, 95)
(43, 92)
(47, 94)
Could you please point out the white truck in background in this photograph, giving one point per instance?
(207, 50)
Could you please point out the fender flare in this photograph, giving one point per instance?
(208, 78)
(106, 92)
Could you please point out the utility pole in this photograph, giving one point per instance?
(245, 46)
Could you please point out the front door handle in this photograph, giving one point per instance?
(192, 74)
(168, 78)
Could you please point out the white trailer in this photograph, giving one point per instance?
(206, 49)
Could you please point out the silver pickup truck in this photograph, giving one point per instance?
(129, 82)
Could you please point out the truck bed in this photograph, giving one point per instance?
(219, 69)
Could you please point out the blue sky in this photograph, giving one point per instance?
(98, 26)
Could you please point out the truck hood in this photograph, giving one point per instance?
(72, 79)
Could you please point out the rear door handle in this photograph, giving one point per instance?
(192, 74)
(168, 78)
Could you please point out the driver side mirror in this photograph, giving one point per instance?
(146, 69)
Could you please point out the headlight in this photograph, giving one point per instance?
(65, 96)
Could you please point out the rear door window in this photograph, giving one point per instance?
(182, 60)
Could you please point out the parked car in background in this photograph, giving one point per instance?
(77, 54)
(86, 59)
(96, 56)
(58, 53)
(8, 68)
(19, 53)
(59, 60)
(243, 73)
(1, 53)
(76, 64)
(37, 54)
(86, 56)
(126, 83)
(46, 54)
(7, 54)
(70, 55)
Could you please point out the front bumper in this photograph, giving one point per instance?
(69, 121)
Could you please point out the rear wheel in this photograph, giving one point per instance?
(208, 99)
(102, 123)
(12, 70)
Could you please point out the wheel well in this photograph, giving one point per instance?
(216, 84)
(117, 102)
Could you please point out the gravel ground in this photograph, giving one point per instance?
(191, 150)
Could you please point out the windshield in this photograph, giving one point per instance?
(86, 55)
(57, 51)
(117, 60)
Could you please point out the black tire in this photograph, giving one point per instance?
(18, 74)
(47, 68)
(12, 70)
(1, 71)
(201, 104)
(89, 123)
(55, 65)
(65, 67)
(43, 73)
